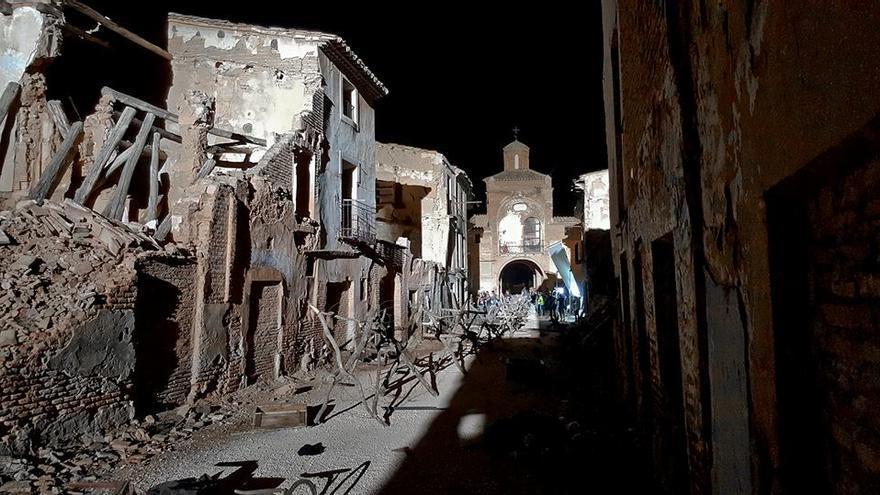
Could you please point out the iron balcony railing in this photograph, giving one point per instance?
(358, 221)
(530, 248)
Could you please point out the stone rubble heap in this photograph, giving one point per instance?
(71, 471)
(58, 262)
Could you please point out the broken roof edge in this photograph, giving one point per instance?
(336, 49)
(440, 157)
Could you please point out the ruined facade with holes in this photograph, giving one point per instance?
(201, 228)
(743, 147)
(421, 203)
(519, 232)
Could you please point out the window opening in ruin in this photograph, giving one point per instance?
(348, 183)
(310, 266)
(532, 234)
(516, 161)
(674, 455)
(349, 101)
(303, 185)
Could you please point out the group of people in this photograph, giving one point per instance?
(553, 303)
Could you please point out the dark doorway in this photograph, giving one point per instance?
(625, 317)
(264, 325)
(672, 426)
(163, 331)
(643, 348)
(518, 276)
(800, 423)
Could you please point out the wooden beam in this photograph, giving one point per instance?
(116, 28)
(168, 116)
(49, 180)
(85, 189)
(59, 116)
(85, 36)
(153, 200)
(119, 161)
(10, 93)
(206, 168)
(116, 206)
(165, 133)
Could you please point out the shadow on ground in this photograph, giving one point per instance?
(532, 416)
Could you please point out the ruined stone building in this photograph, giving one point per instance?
(519, 233)
(595, 217)
(743, 157)
(421, 203)
(153, 255)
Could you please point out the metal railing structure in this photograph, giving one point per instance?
(529, 248)
(358, 221)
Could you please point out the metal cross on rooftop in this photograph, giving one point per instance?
(515, 133)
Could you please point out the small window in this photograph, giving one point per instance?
(349, 101)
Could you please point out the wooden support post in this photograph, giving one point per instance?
(116, 206)
(58, 116)
(116, 28)
(119, 161)
(152, 202)
(10, 93)
(165, 133)
(85, 189)
(168, 116)
(206, 168)
(52, 174)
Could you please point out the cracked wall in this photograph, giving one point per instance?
(708, 107)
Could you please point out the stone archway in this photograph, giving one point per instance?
(518, 275)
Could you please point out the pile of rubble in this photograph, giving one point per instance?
(58, 262)
(85, 468)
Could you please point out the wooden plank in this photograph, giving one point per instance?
(163, 229)
(52, 174)
(116, 28)
(116, 206)
(168, 116)
(58, 116)
(153, 200)
(85, 189)
(165, 133)
(10, 93)
(119, 161)
(85, 36)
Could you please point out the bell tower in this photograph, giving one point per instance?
(516, 156)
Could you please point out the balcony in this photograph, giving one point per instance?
(516, 249)
(358, 223)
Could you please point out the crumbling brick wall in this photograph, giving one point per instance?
(66, 325)
(845, 272)
(164, 331)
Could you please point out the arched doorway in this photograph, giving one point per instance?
(519, 275)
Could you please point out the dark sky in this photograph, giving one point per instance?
(459, 80)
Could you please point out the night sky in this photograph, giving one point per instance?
(459, 80)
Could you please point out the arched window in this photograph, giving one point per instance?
(532, 235)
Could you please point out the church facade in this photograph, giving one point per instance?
(519, 242)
